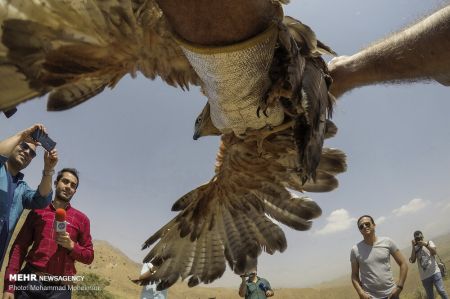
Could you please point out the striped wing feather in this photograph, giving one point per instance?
(74, 49)
(227, 219)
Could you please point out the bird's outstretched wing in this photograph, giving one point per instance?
(74, 49)
(227, 219)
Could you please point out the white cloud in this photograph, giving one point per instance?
(339, 220)
(380, 220)
(443, 205)
(411, 207)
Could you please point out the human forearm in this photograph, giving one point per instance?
(7, 145)
(83, 249)
(432, 249)
(242, 288)
(412, 258)
(357, 285)
(45, 186)
(50, 161)
(82, 254)
(402, 275)
(216, 22)
(419, 52)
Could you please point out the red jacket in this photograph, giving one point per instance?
(46, 255)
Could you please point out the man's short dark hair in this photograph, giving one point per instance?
(418, 233)
(69, 170)
(368, 216)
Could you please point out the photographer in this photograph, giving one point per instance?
(254, 287)
(16, 153)
(429, 271)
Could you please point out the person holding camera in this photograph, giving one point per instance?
(425, 252)
(254, 287)
(16, 153)
(54, 250)
(149, 291)
(371, 268)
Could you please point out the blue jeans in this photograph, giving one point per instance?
(436, 280)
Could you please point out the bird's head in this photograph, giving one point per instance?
(204, 125)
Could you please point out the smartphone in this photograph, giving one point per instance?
(46, 142)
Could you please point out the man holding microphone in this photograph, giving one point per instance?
(54, 252)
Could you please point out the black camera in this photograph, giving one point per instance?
(263, 287)
(418, 239)
(248, 274)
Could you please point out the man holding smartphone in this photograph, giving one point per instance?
(254, 287)
(16, 153)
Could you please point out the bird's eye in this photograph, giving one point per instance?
(198, 120)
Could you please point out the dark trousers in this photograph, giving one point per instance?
(40, 289)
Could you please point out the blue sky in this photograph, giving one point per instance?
(133, 146)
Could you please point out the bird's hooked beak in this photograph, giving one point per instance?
(196, 136)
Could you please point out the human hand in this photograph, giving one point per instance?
(25, 135)
(7, 295)
(395, 293)
(364, 296)
(64, 240)
(421, 243)
(269, 293)
(50, 160)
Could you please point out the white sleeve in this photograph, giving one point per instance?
(431, 244)
(145, 268)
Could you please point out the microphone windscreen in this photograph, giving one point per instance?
(60, 215)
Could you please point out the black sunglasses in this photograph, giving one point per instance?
(364, 224)
(24, 146)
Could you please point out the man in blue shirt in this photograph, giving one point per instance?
(16, 153)
(255, 287)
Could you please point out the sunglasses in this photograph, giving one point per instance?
(24, 146)
(364, 224)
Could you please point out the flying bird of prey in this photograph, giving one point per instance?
(271, 138)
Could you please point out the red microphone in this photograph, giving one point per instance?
(60, 221)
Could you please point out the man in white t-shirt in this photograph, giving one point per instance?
(424, 253)
(149, 291)
(372, 276)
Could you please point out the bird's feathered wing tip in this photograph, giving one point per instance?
(282, 1)
(444, 79)
(74, 49)
(227, 219)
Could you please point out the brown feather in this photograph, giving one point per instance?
(227, 219)
(62, 46)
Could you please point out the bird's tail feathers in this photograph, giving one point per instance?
(214, 226)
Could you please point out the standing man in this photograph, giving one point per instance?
(52, 254)
(16, 153)
(371, 269)
(429, 272)
(255, 287)
(149, 291)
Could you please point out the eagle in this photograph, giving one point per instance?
(271, 149)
